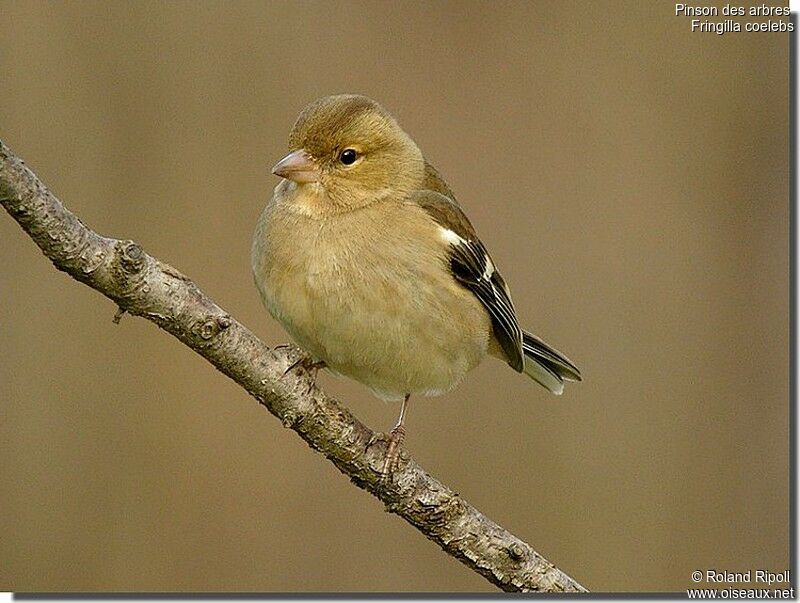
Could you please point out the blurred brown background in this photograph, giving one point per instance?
(631, 180)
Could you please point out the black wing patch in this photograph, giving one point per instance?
(471, 265)
(473, 268)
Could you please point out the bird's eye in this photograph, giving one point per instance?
(348, 156)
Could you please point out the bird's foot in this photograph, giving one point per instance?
(309, 366)
(396, 438)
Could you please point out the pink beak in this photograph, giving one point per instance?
(298, 166)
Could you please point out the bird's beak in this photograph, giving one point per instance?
(298, 166)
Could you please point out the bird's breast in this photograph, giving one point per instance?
(369, 292)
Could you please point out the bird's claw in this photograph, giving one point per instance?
(378, 435)
(311, 368)
(307, 364)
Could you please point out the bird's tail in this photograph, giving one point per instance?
(547, 366)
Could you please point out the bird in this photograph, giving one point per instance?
(367, 260)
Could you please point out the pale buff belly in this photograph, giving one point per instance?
(379, 309)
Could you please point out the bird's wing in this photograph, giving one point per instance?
(473, 268)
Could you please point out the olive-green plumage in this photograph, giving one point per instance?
(367, 260)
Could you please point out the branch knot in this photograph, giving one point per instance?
(131, 256)
(210, 327)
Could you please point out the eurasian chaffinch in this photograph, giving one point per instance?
(367, 260)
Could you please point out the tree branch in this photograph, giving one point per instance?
(144, 286)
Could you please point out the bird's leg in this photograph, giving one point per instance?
(396, 437)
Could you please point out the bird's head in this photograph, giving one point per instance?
(348, 147)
